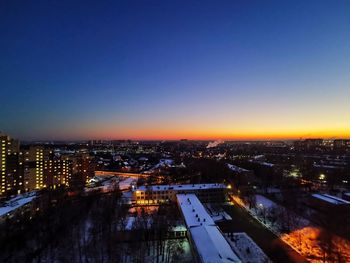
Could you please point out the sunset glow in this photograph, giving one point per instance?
(172, 71)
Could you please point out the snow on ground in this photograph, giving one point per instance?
(266, 209)
(162, 164)
(262, 201)
(304, 237)
(130, 223)
(246, 248)
(16, 203)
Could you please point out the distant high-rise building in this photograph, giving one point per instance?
(309, 144)
(49, 175)
(74, 170)
(9, 160)
(63, 167)
(33, 167)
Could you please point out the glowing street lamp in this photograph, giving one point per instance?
(322, 177)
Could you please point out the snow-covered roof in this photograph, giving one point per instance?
(16, 203)
(181, 187)
(267, 164)
(262, 163)
(326, 166)
(211, 245)
(331, 199)
(236, 168)
(209, 242)
(193, 210)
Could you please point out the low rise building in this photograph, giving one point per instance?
(346, 196)
(207, 241)
(157, 194)
(327, 203)
(17, 205)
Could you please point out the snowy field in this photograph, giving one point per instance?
(303, 237)
(246, 248)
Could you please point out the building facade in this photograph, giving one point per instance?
(158, 194)
(10, 175)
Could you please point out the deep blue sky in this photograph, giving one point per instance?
(172, 69)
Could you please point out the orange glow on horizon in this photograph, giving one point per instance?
(202, 130)
(212, 135)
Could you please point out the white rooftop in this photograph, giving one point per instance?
(179, 187)
(16, 203)
(208, 240)
(193, 211)
(236, 168)
(211, 245)
(331, 199)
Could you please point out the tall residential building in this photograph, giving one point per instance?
(84, 166)
(10, 175)
(34, 168)
(3, 154)
(63, 169)
(49, 175)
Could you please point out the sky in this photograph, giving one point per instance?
(237, 69)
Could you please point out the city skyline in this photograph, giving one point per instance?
(171, 70)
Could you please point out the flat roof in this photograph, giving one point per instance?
(179, 187)
(209, 242)
(236, 168)
(211, 245)
(193, 211)
(16, 203)
(331, 199)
